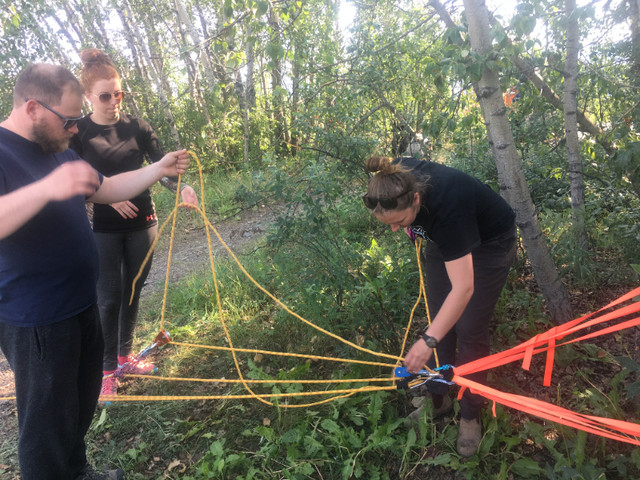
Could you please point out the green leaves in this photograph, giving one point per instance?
(523, 24)
(626, 161)
(633, 389)
(527, 468)
(275, 50)
(261, 7)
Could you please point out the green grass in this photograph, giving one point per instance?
(363, 290)
(364, 436)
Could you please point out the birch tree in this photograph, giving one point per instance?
(570, 107)
(275, 50)
(153, 68)
(187, 26)
(513, 184)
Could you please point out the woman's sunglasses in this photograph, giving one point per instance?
(105, 97)
(386, 203)
(69, 122)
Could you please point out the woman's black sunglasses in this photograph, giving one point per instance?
(386, 203)
(105, 97)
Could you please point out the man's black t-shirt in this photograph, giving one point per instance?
(459, 213)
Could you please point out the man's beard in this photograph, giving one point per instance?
(40, 135)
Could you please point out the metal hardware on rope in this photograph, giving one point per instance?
(443, 374)
(162, 338)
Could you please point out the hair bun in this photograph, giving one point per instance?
(378, 163)
(95, 56)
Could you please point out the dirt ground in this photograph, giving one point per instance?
(189, 255)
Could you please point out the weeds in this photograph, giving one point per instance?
(365, 436)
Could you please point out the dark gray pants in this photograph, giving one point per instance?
(491, 264)
(121, 255)
(58, 375)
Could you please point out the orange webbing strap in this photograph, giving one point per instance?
(547, 342)
(569, 327)
(605, 427)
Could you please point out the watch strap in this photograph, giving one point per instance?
(429, 340)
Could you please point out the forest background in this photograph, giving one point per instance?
(282, 103)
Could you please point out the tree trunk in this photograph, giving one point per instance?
(277, 101)
(510, 172)
(156, 75)
(205, 51)
(126, 29)
(250, 55)
(84, 18)
(296, 69)
(250, 145)
(139, 68)
(570, 105)
(194, 84)
(529, 71)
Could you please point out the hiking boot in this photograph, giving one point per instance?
(90, 474)
(109, 388)
(469, 437)
(445, 408)
(136, 367)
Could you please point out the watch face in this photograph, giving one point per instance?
(430, 341)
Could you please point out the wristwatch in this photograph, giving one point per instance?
(430, 341)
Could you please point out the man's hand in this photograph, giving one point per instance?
(71, 179)
(175, 163)
(67, 181)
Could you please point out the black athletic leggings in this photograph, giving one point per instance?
(121, 255)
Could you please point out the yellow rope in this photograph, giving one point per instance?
(291, 312)
(415, 305)
(284, 354)
(261, 381)
(231, 348)
(347, 392)
(423, 294)
(340, 393)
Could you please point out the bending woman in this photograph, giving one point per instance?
(470, 245)
(114, 142)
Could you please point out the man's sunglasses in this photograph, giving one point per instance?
(105, 97)
(386, 203)
(69, 122)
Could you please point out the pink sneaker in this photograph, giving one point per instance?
(139, 367)
(109, 388)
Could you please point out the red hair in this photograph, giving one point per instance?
(96, 66)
